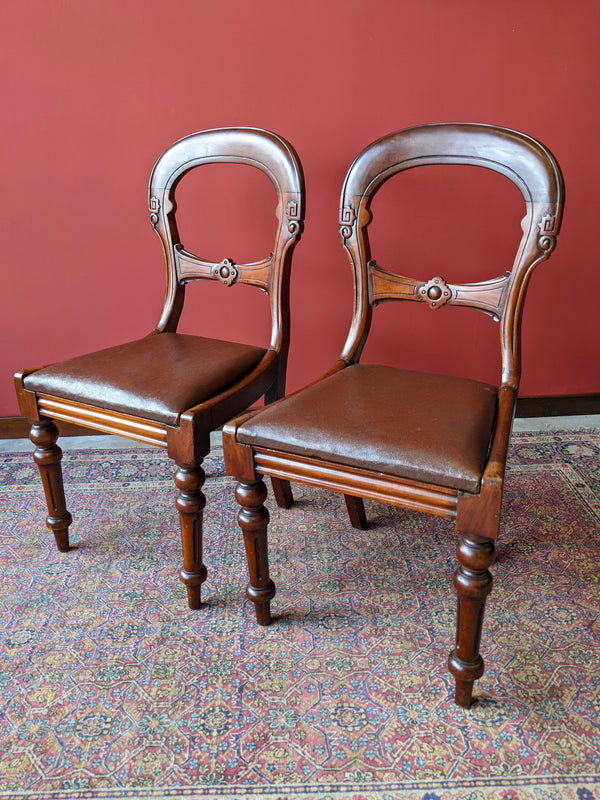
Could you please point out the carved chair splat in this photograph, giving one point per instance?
(364, 430)
(169, 389)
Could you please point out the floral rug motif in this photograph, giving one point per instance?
(110, 687)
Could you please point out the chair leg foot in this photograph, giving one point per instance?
(463, 693)
(463, 686)
(190, 504)
(356, 512)
(47, 456)
(253, 519)
(473, 583)
(282, 491)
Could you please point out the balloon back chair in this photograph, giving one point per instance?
(170, 389)
(421, 441)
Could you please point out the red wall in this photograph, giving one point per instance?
(94, 90)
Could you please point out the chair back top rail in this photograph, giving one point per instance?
(251, 146)
(523, 160)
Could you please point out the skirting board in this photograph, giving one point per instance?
(558, 405)
(546, 406)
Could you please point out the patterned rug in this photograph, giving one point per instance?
(111, 688)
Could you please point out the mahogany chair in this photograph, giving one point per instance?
(170, 389)
(421, 441)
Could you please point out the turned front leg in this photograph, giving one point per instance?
(253, 518)
(473, 583)
(47, 456)
(190, 504)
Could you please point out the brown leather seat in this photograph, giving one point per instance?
(432, 428)
(420, 441)
(157, 378)
(169, 389)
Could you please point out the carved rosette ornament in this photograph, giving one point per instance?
(292, 212)
(435, 292)
(347, 219)
(226, 272)
(547, 237)
(154, 208)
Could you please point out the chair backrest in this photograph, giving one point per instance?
(256, 148)
(527, 163)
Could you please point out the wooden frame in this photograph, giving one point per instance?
(533, 169)
(187, 441)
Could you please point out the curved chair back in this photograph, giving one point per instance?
(526, 162)
(257, 148)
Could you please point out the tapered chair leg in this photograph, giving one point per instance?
(356, 512)
(253, 518)
(47, 456)
(282, 492)
(190, 504)
(473, 582)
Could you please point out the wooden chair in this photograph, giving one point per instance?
(169, 389)
(421, 441)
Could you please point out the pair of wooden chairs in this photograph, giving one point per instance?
(421, 441)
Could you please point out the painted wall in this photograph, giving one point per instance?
(94, 90)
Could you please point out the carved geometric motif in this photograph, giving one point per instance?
(435, 293)
(226, 272)
(154, 207)
(547, 224)
(347, 218)
(547, 228)
(292, 211)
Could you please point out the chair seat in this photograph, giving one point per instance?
(430, 428)
(157, 378)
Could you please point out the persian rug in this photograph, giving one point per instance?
(110, 687)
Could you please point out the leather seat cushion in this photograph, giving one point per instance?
(430, 428)
(158, 377)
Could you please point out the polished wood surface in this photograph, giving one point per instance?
(186, 437)
(47, 456)
(272, 441)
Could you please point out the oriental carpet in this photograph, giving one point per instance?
(111, 688)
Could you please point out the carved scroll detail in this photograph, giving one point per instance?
(226, 271)
(154, 208)
(292, 212)
(347, 219)
(436, 292)
(547, 237)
